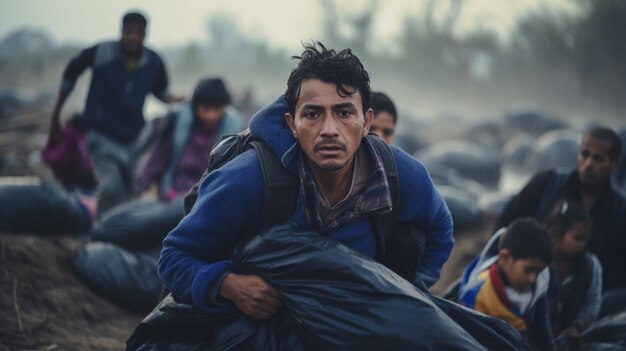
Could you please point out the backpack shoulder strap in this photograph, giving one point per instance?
(224, 150)
(280, 187)
(384, 223)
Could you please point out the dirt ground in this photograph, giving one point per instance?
(43, 306)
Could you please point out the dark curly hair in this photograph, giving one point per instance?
(342, 68)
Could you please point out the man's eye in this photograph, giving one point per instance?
(311, 115)
(344, 113)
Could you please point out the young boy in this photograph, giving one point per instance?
(512, 285)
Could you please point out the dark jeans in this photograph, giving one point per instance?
(114, 167)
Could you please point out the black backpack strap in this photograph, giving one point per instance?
(280, 187)
(384, 224)
(224, 150)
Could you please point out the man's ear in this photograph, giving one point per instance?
(369, 116)
(291, 124)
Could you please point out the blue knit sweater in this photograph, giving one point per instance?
(197, 253)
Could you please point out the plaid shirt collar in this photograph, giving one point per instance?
(375, 198)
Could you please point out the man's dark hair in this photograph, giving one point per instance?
(134, 17)
(608, 134)
(527, 238)
(564, 216)
(212, 92)
(382, 103)
(342, 68)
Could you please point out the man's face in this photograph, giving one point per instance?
(384, 126)
(329, 127)
(209, 116)
(133, 35)
(521, 273)
(594, 162)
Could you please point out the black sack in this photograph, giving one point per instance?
(138, 224)
(335, 299)
(174, 325)
(338, 298)
(126, 277)
(608, 333)
(41, 208)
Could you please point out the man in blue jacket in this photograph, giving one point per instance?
(318, 131)
(124, 72)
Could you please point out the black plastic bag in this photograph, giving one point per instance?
(335, 299)
(126, 277)
(178, 326)
(138, 224)
(41, 208)
(608, 333)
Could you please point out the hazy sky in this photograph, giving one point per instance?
(283, 23)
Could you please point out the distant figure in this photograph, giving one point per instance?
(385, 116)
(180, 156)
(590, 186)
(575, 292)
(123, 73)
(512, 284)
(121, 263)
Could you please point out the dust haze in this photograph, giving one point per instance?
(571, 65)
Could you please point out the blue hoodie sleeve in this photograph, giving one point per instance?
(197, 253)
(421, 203)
